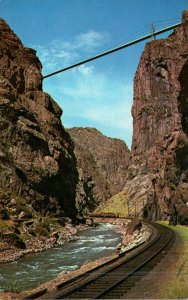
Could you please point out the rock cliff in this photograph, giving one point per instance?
(39, 174)
(159, 166)
(102, 164)
(36, 153)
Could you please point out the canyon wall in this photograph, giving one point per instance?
(67, 173)
(38, 161)
(159, 165)
(36, 153)
(102, 164)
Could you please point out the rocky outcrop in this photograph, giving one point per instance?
(36, 153)
(102, 164)
(159, 167)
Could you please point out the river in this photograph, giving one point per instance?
(37, 268)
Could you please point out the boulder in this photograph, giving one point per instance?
(134, 225)
(89, 222)
(4, 215)
(13, 239)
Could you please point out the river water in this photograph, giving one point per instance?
(37, 268)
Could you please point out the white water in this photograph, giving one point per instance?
(36, 268)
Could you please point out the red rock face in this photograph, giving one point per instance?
(102, 164)
(37, 159)
(36, 153)
(160, 121)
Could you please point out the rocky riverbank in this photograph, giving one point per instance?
(134, 232)
(126, 227)
(122, 226)
(37, 244)
(138, 236)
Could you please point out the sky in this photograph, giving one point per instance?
(100, 93)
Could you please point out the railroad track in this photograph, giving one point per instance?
(114, 278)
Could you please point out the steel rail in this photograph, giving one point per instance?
(117, 283)
(113, 50)
(111, 266)
(94, 285)
(115, 277)
(128, 255)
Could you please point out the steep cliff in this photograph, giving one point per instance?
(102, 164)
(159, 167)
(36, 153)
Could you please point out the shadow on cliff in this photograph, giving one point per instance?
(181, 195)
(61, 187)
(182, 152)
(183, 99)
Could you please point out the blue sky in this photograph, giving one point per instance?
(98, 94)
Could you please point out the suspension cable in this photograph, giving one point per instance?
(114, 49)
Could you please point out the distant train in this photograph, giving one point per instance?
(103, 215)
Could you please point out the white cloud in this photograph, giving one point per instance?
(84, 70)
(55, 55)
(96, 100)
(116, 115)
(91, 40)
(59, 54)
(88, 96)
(86, 86)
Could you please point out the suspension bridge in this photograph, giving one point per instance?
(152, 34)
